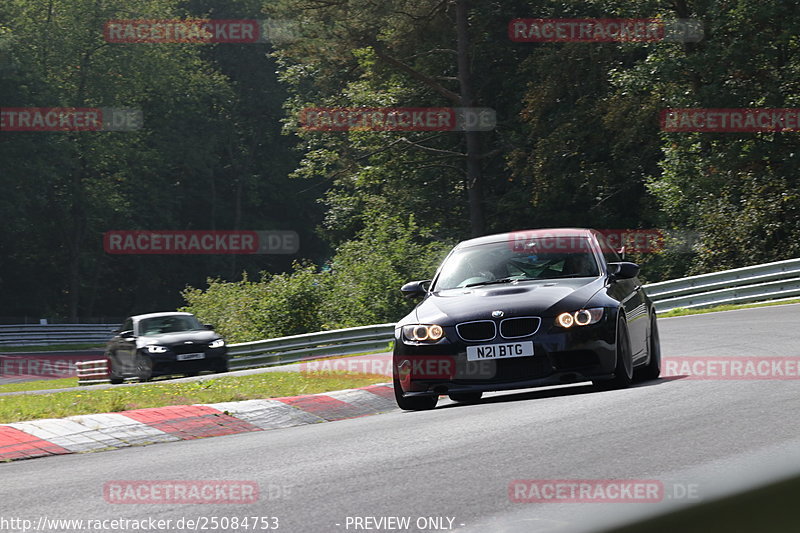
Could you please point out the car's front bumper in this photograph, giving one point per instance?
(560, 356)
(168, 363)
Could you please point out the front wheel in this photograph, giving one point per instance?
(144, 367)
(653, 368)
(113, 377)
(415, 403)
(623, 370)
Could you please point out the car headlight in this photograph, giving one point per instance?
(582, 317)
(423, 332)
(154, 348)
(219, 343)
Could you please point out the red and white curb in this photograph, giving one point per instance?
(84, 433)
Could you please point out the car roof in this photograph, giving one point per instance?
(166, 313)
(528, 234)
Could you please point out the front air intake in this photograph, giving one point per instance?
(477, 331)
(514, 328)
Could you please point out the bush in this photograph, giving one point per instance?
(367, 273)
(275, 306)
(362, 287)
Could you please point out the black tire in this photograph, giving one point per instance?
(113, 377)
(623, 370)
(190, 374)
(653, 367)
(144, 367)
(416, 403)
(466, 397)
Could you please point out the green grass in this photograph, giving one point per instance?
(389, 348)
(52, 348)
(43, 384)
(212, 390)
(682, 311)
(66, 383)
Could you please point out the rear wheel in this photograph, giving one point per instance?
(653, 368)
(623, 370)
(466, 397)
(415, 403)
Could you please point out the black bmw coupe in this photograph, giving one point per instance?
(525, 309)
(158, 344)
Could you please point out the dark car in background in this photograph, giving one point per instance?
(158, 344)
(525, 309)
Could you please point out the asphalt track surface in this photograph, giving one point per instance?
(698, 438)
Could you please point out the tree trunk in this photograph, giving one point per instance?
(474, 188)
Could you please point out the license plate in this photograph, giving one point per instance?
(190, 356)
(500, 351)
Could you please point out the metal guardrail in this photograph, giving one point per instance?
(297, 348)
(769, 281)
(44, 334)
(281, 350)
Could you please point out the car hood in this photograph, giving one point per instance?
(181, 337)
(538, 298)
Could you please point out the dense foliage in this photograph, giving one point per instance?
(578, 143)
(358, 287)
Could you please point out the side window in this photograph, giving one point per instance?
(127, 325)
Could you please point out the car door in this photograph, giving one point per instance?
(630, 294)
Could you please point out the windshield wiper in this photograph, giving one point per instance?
(497, 281)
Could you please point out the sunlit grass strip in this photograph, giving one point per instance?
(212, 390)
(40, 384)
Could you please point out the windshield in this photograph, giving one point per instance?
(498, 262)
(168, 324)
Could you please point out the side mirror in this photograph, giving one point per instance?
(209, 326)
(415, 289)
(127, 333)
(623, 270)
